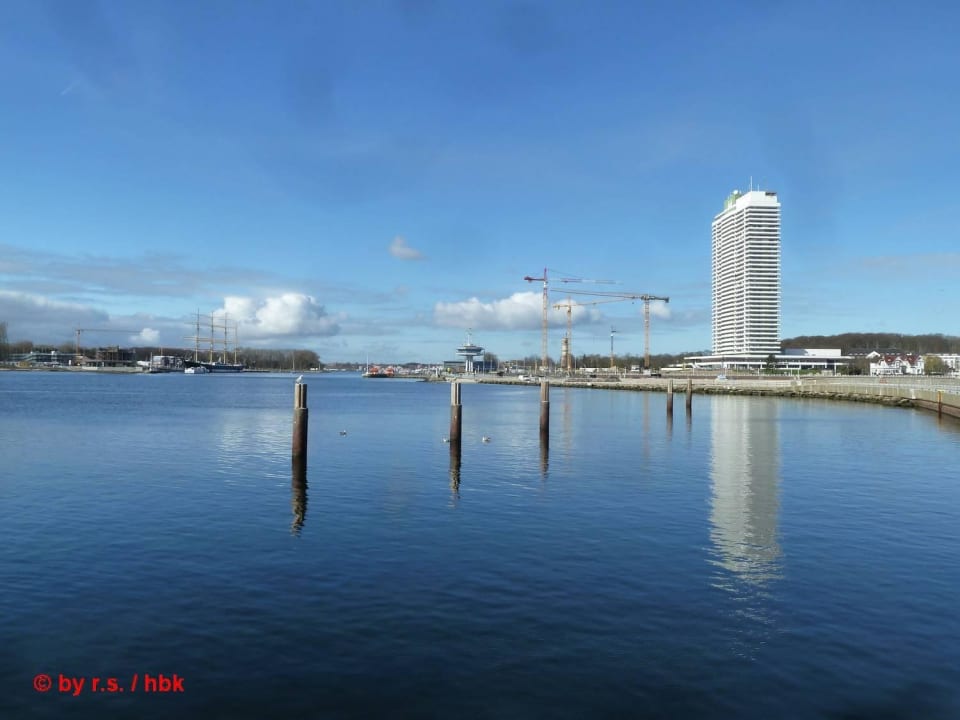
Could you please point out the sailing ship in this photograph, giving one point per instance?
(218, 347)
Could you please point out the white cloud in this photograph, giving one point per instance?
(400, 249)
(283, 316)
(147, 336)
(520, 311)
(659, 309)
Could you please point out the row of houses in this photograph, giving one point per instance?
(908, 363)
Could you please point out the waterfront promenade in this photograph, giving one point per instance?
(939, 394)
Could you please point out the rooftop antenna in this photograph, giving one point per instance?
(751, 184)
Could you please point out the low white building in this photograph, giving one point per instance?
(899, 364)
(909, 364)
(794, 359)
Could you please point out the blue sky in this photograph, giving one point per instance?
(375, 178)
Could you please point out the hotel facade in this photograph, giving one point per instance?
(745, 316)
(746, 275)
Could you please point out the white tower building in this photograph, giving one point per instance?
(746, 275)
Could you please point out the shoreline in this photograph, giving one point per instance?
(938, 395)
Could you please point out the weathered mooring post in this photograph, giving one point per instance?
(456, 416)
(670, 398)
(300, 414)
(544, 411)
(689, 398)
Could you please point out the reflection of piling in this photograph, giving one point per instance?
(544, 412)
(455, 467)
(670, 397)
(298, 494)
(689, 398)
(300, 422)
(544, 457)
(456, 416)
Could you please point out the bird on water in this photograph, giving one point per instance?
(486, 439)
(342, 433)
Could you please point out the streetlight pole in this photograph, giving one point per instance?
(612, 331)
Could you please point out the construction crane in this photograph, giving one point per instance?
(103, 330)
(646, 314)
(543, 329)
(569, 305)
(646, 326)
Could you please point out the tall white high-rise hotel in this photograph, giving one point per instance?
(746, 275)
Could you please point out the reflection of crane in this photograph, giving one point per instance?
(104, 330)
(646, 314)
(543, 329)
(569, 305)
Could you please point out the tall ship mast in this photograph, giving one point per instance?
(212, 338)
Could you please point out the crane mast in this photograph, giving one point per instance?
(545, 319)
(646, 326)
(543, 329)
(646, 298)
(569, 305)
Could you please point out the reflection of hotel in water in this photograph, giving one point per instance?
(745, 472)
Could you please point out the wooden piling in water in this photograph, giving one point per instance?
(300, 418)
(544, 411)
(670, 398)
(689, 398)
(939, 403)
(456, 416)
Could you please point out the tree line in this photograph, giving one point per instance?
(882, 342)
(252, 358)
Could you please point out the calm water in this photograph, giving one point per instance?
(768, 559)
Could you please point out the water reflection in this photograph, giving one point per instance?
(745, 470)
(455, 469)
(241, 434)
(544, 458)
(669, 425)
(745, 474)
(298, 495)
